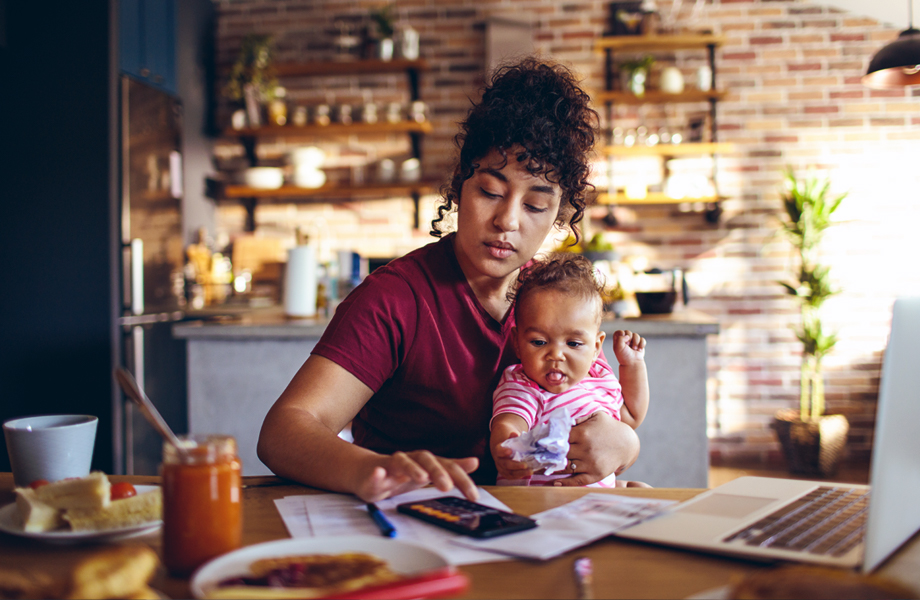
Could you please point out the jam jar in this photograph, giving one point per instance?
(202, 501)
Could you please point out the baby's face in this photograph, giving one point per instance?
(557, 338)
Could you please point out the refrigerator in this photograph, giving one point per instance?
(152, 279)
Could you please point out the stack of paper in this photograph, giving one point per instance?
(561, 529)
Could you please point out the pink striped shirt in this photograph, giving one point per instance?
(520, 395)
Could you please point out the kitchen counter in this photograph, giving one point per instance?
(272, 323)
(239, 362)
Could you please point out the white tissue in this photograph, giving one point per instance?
(545, 446)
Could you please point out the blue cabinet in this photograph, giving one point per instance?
(147, 41)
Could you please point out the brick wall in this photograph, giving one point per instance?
(795, 99)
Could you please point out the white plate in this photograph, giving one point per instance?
(403, 557)
(9, 523)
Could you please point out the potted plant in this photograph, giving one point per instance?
(252, 79)
(383, 22)
(812, 441)
(634, 74)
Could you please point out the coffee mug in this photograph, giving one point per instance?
(50, 447)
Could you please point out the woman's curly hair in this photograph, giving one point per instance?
(564, 271)
(540, 107)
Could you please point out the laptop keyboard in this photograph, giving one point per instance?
(829, 521)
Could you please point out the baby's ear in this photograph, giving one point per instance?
(599, 343)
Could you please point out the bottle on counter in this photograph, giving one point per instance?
(202, 501)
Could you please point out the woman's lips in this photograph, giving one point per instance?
(500, 249)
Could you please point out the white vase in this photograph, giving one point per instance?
(672, 81)
(704, 78)
(408, 43)
(385, 49)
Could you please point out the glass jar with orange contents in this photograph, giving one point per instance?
(202, 503)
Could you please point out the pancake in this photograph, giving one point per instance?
(308, 576)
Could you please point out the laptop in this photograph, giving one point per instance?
(759, 517)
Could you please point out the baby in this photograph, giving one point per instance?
(558, 309)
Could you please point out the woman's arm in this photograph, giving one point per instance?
(299, 440)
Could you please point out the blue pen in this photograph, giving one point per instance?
(386, 528)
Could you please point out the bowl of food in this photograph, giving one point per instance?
(263, 178)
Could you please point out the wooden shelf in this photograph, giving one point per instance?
(349, 67)
(687, 149)
(330, 130)
(658, 97)
(640, 43)
(327, 192)
(651, 198)
(250, 137)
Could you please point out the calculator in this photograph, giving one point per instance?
(466, 517)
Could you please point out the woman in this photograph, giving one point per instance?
(412, 354)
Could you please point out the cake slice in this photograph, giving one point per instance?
(136, 510)
(92, 491)
(37, 517)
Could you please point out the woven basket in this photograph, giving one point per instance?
(811, 447)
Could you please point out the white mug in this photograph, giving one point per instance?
(50, 447)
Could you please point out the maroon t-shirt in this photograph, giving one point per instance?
(415, 333)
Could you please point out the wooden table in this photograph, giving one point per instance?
(622, 569)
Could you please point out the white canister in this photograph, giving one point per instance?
(300, 282)
(704, 78)
(408, 43)
(672, 81)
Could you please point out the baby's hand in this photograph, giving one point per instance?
(508, 468)
(628, 347)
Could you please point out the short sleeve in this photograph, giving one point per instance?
(518, 395)
(369, 333)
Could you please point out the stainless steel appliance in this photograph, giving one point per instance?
(152, 263)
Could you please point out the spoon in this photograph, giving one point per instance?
(150, 412)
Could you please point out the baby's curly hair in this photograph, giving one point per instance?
(569, 273)
(540, 107)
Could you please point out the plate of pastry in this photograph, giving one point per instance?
(83, 509)
(355, 566)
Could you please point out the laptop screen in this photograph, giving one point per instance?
(894, 509)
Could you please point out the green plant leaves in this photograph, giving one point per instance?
(253, 66)
(809, 209)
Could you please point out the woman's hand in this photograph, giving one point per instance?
(385, 476)
(599, 446)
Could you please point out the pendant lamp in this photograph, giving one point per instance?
(897, 64)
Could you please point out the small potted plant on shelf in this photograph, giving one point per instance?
(811, 440)
(634, 74)
(383, 28)
(252, 80)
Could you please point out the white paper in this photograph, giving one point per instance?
(317, 515)
(544, 447)
(570, 526)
